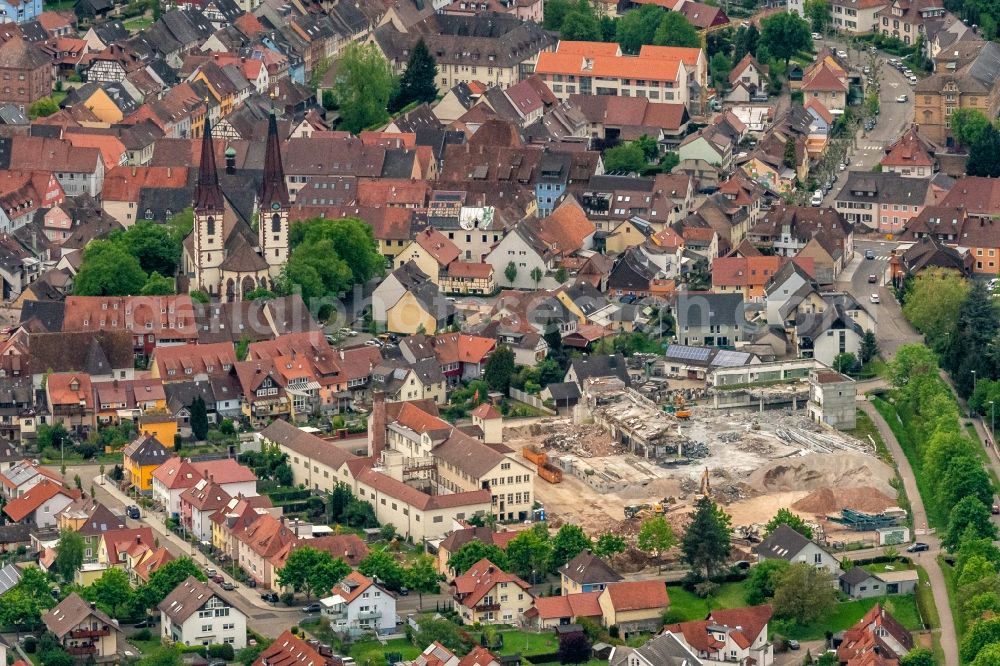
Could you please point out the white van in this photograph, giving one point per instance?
(817, 198)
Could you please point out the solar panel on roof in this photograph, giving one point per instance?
(689, 353)
(728, 358)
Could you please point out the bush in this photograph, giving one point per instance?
(288, 599)
(30, 644)
(222, 651)
(142, 635)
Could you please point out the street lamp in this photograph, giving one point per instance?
(973, 391)
(992, 420)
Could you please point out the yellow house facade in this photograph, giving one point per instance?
(409, 315)
(422, 258)
(140, 458)
(162, 426)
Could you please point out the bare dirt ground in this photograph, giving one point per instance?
(756, 463)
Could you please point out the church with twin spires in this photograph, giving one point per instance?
(223, 255)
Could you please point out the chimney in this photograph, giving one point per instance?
(376, 423)
(230, 163)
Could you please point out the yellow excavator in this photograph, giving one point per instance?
(681, 410)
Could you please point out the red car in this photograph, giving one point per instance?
(217, 578)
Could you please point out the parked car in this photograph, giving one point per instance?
(217, 579)
(314, 607)
(816, 36)
(133, 512)
(227, 586)
(270, 597)
(917, 547)
(902, 98)
(874, 299)
(403, 592)
(793, 644)
(211, 573)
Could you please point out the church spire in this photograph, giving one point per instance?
(207, 195)
(273, 189)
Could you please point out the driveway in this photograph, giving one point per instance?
(928, 559)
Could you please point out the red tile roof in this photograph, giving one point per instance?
(480, 579)
(743, 271)
(289, 650)
(124, 183)
(18, 509)
(584, 604)
(637, 595)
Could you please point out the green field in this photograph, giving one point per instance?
(686, 605)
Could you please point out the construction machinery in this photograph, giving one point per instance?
(647, 510)
(862, 521)
(681, 410)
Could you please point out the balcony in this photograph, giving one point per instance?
(90, 633)
(369, 615)
(486, 608)
(77, 650)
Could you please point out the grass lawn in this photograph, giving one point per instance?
(866, 429)
(138, 23)
(846, 613)
(880, 567)
(929, 613)
(528, 643)
(686, 605)
(400, 645)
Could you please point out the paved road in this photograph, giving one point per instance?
(946, 635)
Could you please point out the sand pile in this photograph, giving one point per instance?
(828, 500)
(813, 471)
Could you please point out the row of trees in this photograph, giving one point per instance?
(960, 323)
(650, 24)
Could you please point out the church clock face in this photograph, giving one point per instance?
(276, 206)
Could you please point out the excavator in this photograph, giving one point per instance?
(645, 510)
(681, 410)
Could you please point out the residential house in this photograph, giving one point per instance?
(20, 477)
(90, 519)
(744, 275)
(181, 363)
(878, 637)
(612, 118)
(748, 81)
(910, 155)
(140, 458)
(582, 368)
(459, 537)
(431, 251)
(784, 543)
(348, 547)
(857, 16)
(231, 519)
(906, 21)
(257, 544)
(883, 202)
(70, 401)
(634, 606)
(821, 237)
(289, 649)
(486, 594)
(711, 145)
(860, 583)
(586, 573)
(178, 474)
(731, 635)
(27, 71)
(40, 506)
(713, 320)
(195, 613)
(971, 84)
(566, 609)
(358, 605)
(421, 380)
(407, 301)
(198, 504)
(663, 650)
(84, 631)
(123, 548)
(826, 81)
(767, 163)
(462, 357)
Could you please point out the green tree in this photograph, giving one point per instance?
(568, 542)
(964, 477)
(154, 245)
(970, 351)
(199, 418)
(536, 275)
(967, 125)
(984, 154)
(804, 593)
(36, 584)
(844, 362)
(312, 571)
(500, 369)
(418, 82)
(917, 657)
(933, 302)
(637, 27)
(581, 26)
(763, 581)
(786, 517)
(784, 34)
(910, 361)
(676, 30)
(157, 285)
(43, 108)
(382, 564)
(473, 551)
(69, 554)
(789, 158)
(745, 41)
(561, 274)
(108, 270)
(163, 581)
(609, 544)
(440, 630)
(363, 86)
(555, 12)
(341, 252)
(19, 609)
(529, 553)
(669, 161)
(869, 347)
(422, 577)
(819, 14)
(978, 636)
(656, 536)
(720, 66)
(510, 272)
(574, 648)
(707, 540)
(627, 157)
(112, 592)
(988, 656)
(969, 514)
